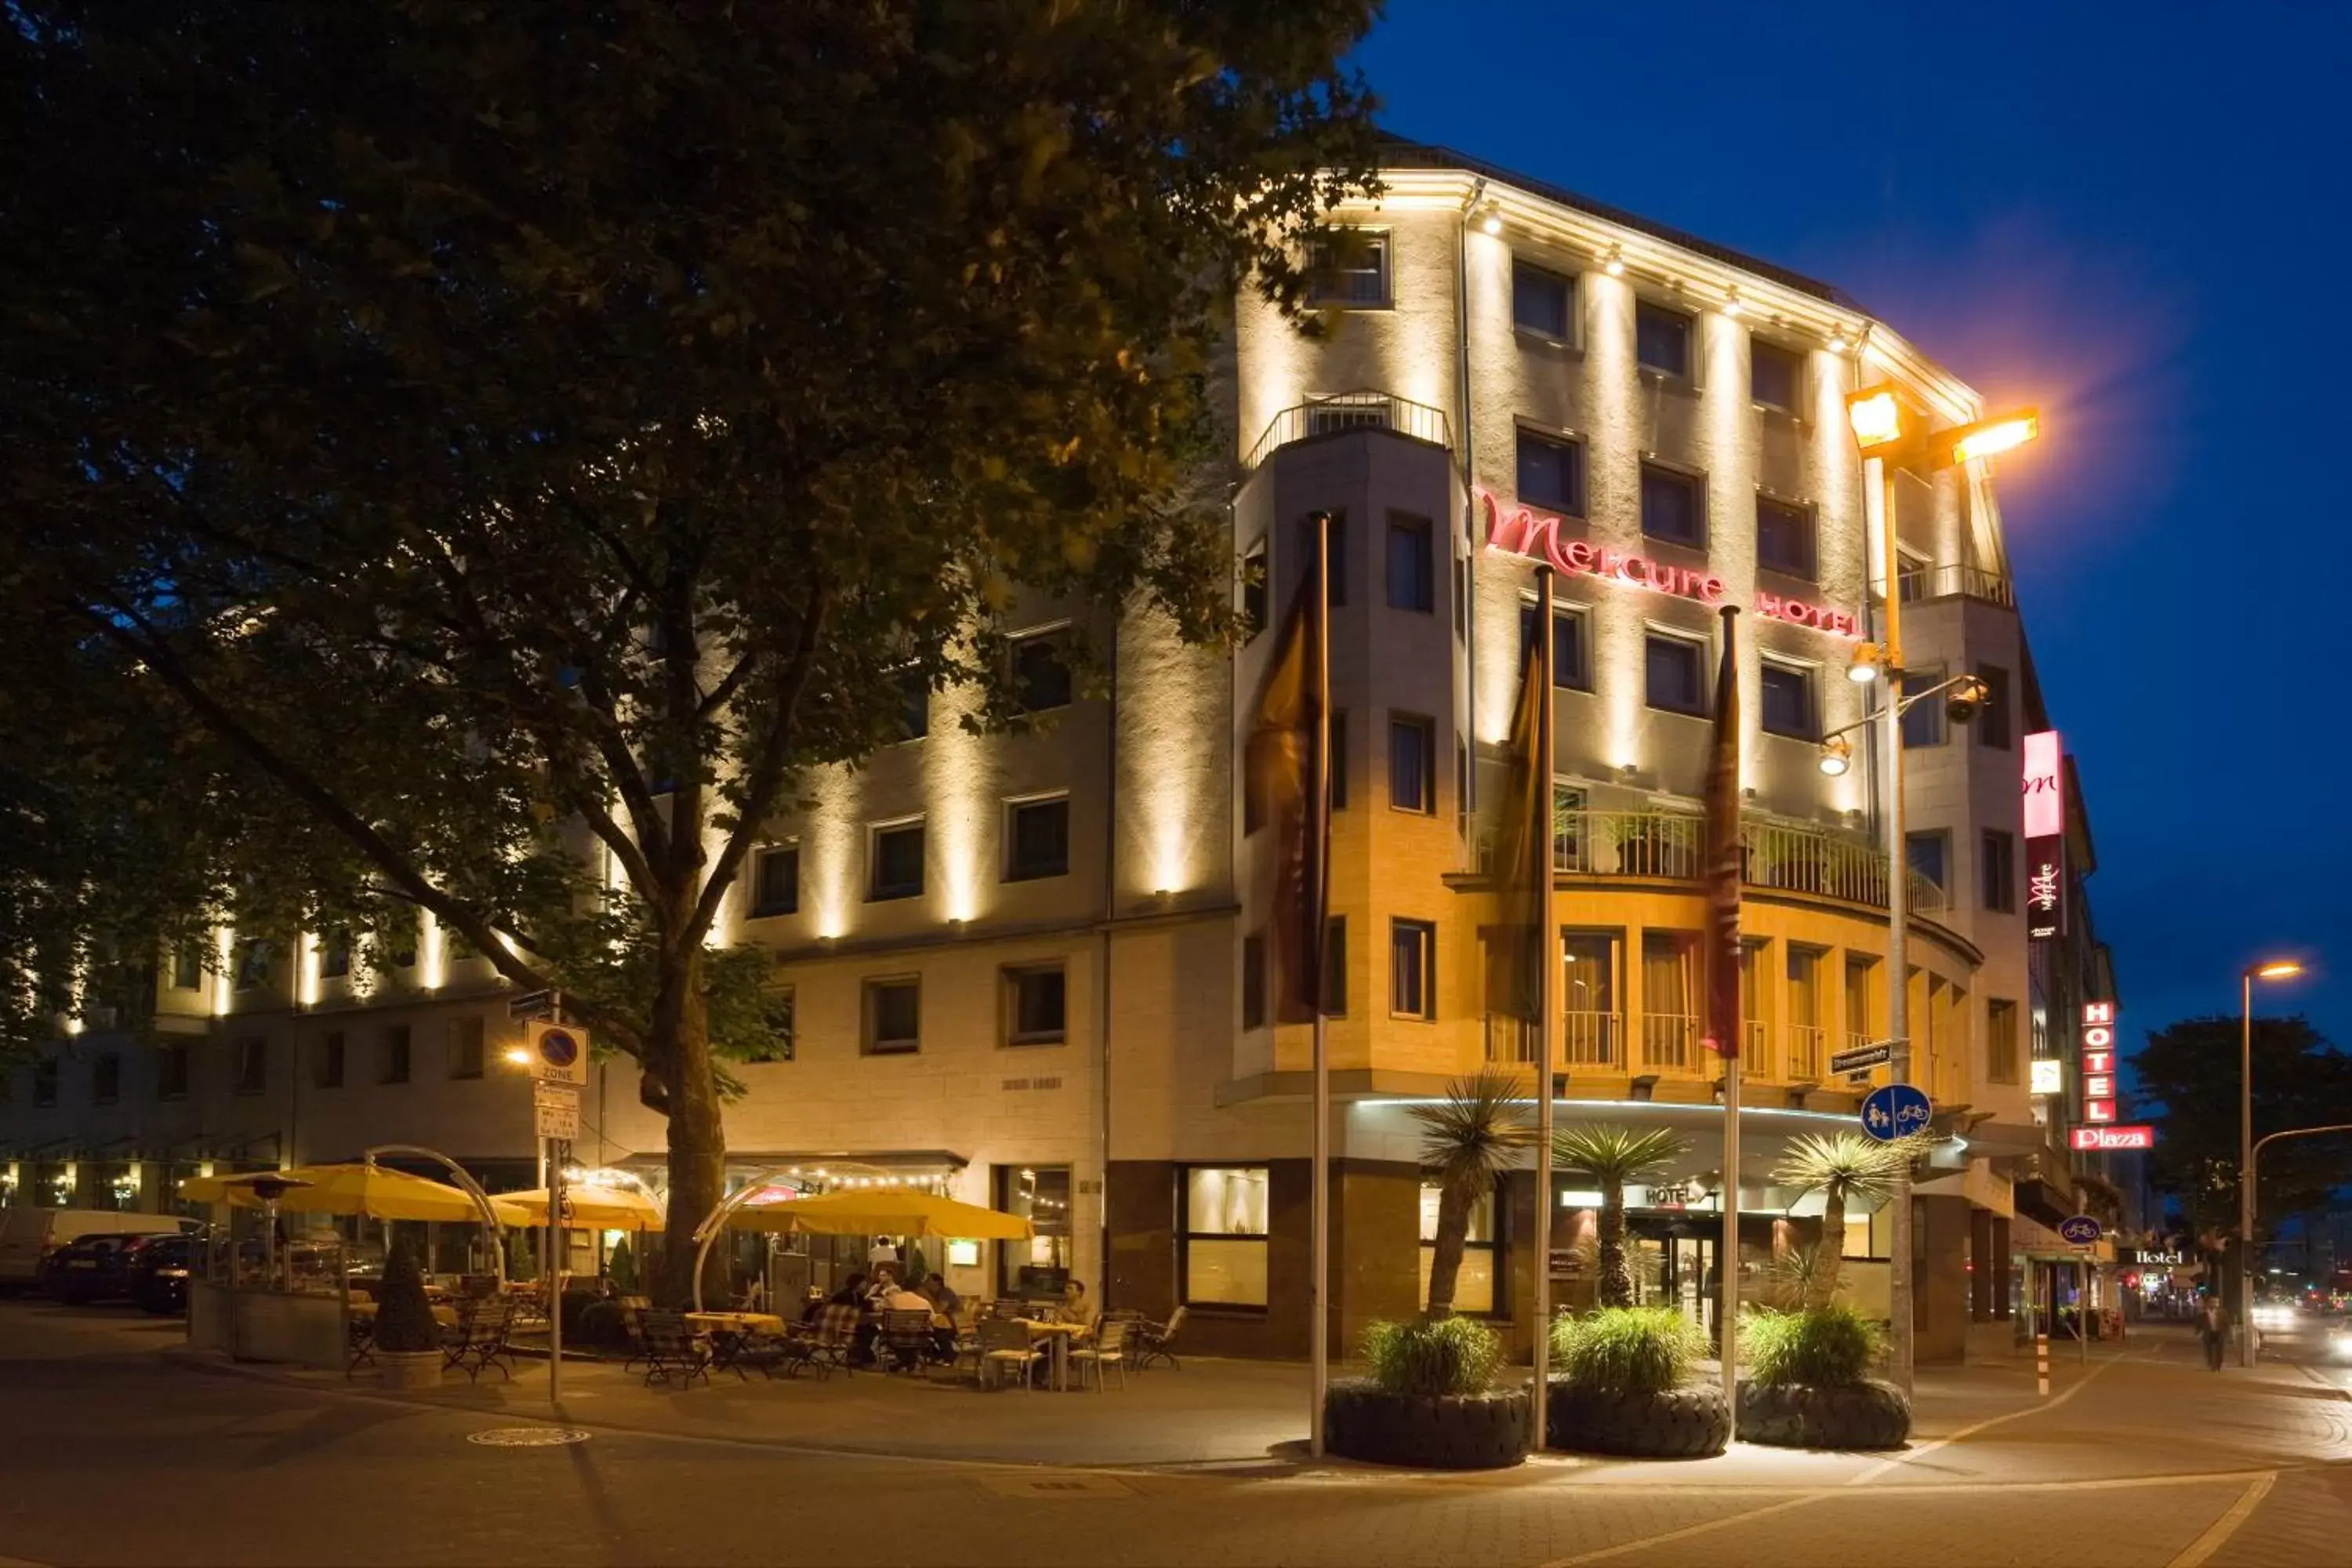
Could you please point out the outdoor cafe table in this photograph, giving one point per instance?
(1061, 1334)
(731, 1329)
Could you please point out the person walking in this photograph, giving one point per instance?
(2214, 1331)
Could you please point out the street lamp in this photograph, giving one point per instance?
(1889, 435)
(2275, 969)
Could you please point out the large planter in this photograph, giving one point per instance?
(1687, 1423)
(409, 1369)
(1446, 1432)
(1825, 1415)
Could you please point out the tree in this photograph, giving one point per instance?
(1467, 1139)
(2190, 1069)
(465, 444)
(1845, 1168)
(1612, 1157)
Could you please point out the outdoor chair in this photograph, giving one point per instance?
(480, 1341)
(1132, 1320)
(361, 1345)
(906, 1340)
(830, 1343)
(672, 1349)
(1154, 1340)
(762, 1352)
(1005, 1343)
(1108, 1349)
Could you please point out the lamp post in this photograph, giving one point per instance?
(2276, 969)
(1888, 434)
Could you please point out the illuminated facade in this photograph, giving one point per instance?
(1033, 966)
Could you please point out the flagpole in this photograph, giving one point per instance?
(1547, 1018)
(1318, 1322)
(1723, 1021)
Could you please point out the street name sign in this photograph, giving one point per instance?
(556, 1109)
(558, 1053)
(532, 1005)
(1896, 1111)
(1860, 1058)
(2079, 1230)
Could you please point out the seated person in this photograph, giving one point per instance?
(812, 1305)
(944, 1307)
(1076, 1309)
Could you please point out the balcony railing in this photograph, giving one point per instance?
(1755, 1049)
(1796, 858)
(1669, 1042)
(1351, 411)
(1805, 1044)
(1961, 582)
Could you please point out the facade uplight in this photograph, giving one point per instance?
(1614, 263)
(1491, 222)
(1876, 415)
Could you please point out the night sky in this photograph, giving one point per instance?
(2137, 217)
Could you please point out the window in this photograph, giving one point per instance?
(1474, 1287)
(106, 1079)
(1461, 599)
(330, 1059)
(335, 956)
(1931, 855)
(2000, 1040)
(392, 1067)
(1671, 667)
(401, 952)
(1225, 1236)
(914, 704)
(1784, 538)
(1041, 672)
(252, 957)
(1253, 981)
(1992, 718)
(1412, 764)
(188, 967)
(1039, 1266)
(253, 1066)
(1923, 722)
(45, 1081)
(1335, 967)
(1661, 340)
(1774, 374)
(1789, 701)
(1349, 266)
(1412, 564)
(1568, 663)
(776, 881)
(1037, 998)
(170, 1072)
(1460, 786)
(1540, 302)
(894, 1015)
(1857, 999)
(1038, 839)
(1551, 473)
(1335, 561)
(895, 861)
(1673, 506)
(2000, 872)
(1255, 589)
(1413, 969)
(464, 1048)
(1338, 759)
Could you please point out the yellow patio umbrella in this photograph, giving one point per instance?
(379, 1192)
(592, 1207)
(879, 1211)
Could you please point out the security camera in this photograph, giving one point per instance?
(1961, 704)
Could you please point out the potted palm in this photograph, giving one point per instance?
(1809, 1384)
(1845, 1168)
(1467, 1140)
(1623, 1386)
(407, 1340)
(1611, 1156)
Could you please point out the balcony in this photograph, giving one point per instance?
(1957, 581)
(1350, 410)
(1791, 857)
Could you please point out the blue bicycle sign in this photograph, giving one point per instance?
(1896, 1111)
(2079, 1230)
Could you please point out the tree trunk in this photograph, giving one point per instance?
(1445, 1255)
(677, 1052)
(1615, 1286)
(1828, 1256)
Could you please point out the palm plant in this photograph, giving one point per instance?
(1611, 1156)
(1843, 1167)
(1468, 1138)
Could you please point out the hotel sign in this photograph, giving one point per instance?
(1519, 531)
(2098, 1064)
(2045, 837)
(2102, 1140)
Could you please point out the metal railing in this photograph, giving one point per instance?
(1670, 1041)
(1956, 582)
(1755, 1049)
(1805, 1045)
(1587, 1039)
(1792, 856)
(1351, 411)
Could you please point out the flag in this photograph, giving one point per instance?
(1523, 835)
(1287, 791)
(1722, 1030)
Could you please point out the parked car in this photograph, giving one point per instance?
(28, 1236)
(159, 1274)
(96, 1267)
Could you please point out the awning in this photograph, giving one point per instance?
(2041, 1201)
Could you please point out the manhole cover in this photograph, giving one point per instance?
(527, 1437)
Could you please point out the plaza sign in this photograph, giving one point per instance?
(2101, 1140)
(1518, 530)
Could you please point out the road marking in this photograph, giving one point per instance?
(1924, 1449)
(2221, 1529)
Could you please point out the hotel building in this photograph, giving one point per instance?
(1033, 969)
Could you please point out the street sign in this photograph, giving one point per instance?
(1896, 1111)
(558, 1053)
(2079, 1230)
(532, 1005)
(1860, 1058)
(2139, 1135)
(556, 1108)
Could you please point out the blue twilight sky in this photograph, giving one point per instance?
(2138, 217)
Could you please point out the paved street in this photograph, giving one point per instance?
(116, 1453)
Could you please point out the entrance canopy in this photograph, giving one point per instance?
(591, 1207)
(879, 1211)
